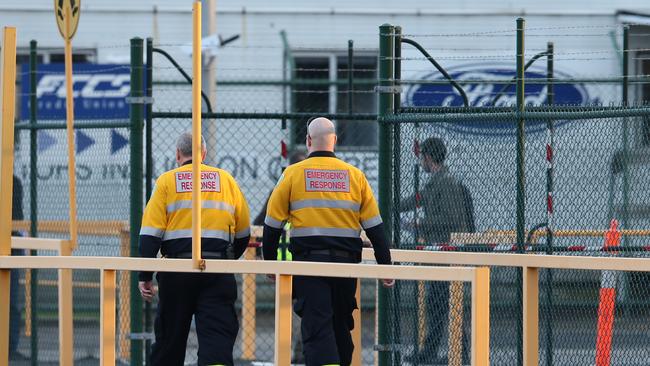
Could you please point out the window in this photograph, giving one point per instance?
(645, 96)
(321, 86)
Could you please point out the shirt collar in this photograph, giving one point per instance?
(319, 154)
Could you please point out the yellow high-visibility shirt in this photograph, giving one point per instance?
(327, 201)
(168, 215)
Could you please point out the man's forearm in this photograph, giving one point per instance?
(240, 246)
(270, 242)
(149, 247)
(379, 244)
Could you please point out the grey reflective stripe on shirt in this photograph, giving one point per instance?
(371, 222)
(217, 205)
(243, 233)
(344, 204)
(325, 231)
(152, 231)
(205, 233)
(268, 220)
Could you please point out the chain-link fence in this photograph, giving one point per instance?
(41, 143)
(596, 174)
(475, 184)
(481, 164)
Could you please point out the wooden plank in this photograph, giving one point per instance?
(517, 260)
(356, 331)
(66, 340)
(18, 242)
(531, 316)
(124, 296)
(296, 268)
(283, 320)
(107, 316)
(455, 323)
(248, 310)
(481, 317)
(99, 228)
(7, 106)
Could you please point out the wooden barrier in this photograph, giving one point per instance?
(108, 228)
(283, 270)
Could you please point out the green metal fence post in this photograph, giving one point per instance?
(289, 59)
(149, 169)
(136, 192)
(521, 182)
(33, 195)
(395, 164)
(386, 52)
(626, 132)
(350, 75)
(550, 127)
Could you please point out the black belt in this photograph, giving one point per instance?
(332, 253)
(204, 255)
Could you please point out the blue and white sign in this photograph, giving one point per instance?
(100, 91)
(483, 94)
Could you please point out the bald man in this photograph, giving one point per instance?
(327, 202)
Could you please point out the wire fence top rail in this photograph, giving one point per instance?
(485, 114)
(266, 115)
(374, 271)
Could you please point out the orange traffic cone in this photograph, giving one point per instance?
(607, 302)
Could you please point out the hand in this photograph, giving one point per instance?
(388, 283)
(147, 291)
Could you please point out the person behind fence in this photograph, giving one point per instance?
(448, 208)
(14, 307)
(284, 254)
(209, 297)
(328, 202)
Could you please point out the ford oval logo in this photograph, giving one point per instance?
(482, 95)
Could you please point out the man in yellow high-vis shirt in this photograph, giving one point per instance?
(209, 297)
(327, 202)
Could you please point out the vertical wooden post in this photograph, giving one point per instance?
(28, 303)
(196, 138)
(7, 106)
(107, 318)
(356, 332)
(531, 316)
(421, 316)
(248, 310)
(283, 320)
(481, 317)
(66, 338)
(69, 109)
(455, 323)
(125, 299)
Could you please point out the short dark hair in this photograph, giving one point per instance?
(435, 148)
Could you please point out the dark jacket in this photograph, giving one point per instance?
(17, 203)
(447, 205)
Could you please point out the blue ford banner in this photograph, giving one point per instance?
(100, 91)
(480, 92)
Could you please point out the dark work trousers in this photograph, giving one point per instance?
(325, 305)
(437, 310)
(211, 299)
